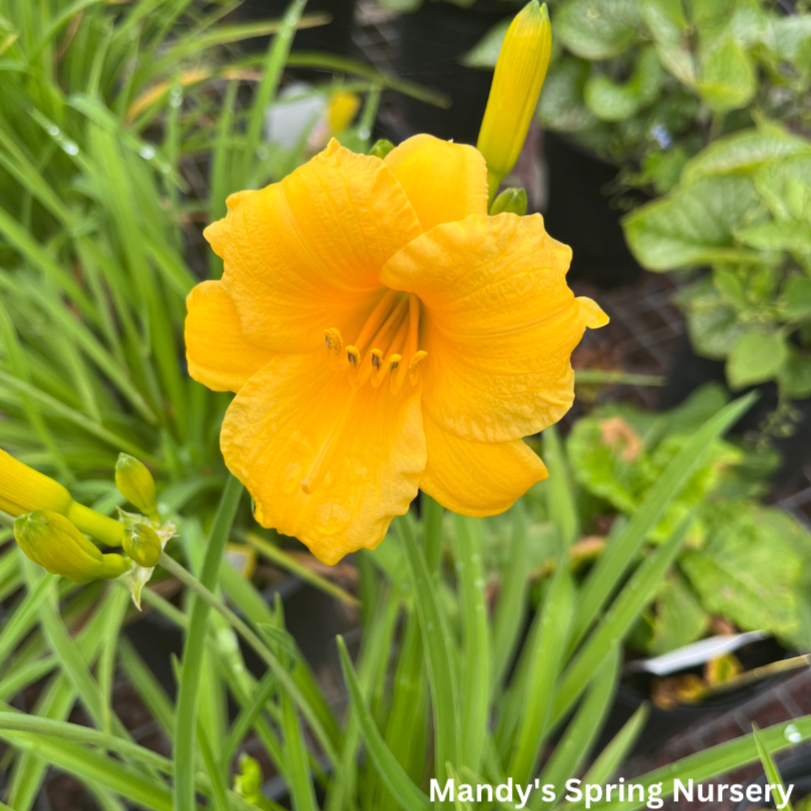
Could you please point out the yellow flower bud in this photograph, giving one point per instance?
(135, 483)
(56, 544)
(23, 489)
(342, 110)
(510, 201)
(517, 81)
(143, 545)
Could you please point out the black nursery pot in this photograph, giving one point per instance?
(433, 39)
(580, 214)
(795, 769)
(662, 725)
(688, 372)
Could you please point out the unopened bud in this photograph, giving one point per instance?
(23, 489)
(135, 483)
(381, 148)
(510, 201)
(517, 81)
(343, 108)
(56, 544)
(143, 545)
(248, 783)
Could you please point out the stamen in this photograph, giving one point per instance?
(378, 368)
(320, 466)
(391, 331)
(335, 345)
(413, 373)
(353, 356)
(377, 317)
(392, 364)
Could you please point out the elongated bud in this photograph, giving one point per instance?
(135, 483)
(510, 201)
(342, 109)
(143, 545)
(56, 544)
(381, 148)
(23, 489)
(517, 81)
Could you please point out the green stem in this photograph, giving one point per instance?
(283, 676)
(188, 690)
(106, 530)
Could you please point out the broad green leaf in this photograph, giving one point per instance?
(797, 296)
(561, 107)
(755, 357)
(777, 236)
(667, 24)
(746, 571)
(597, 29)
(744, 152)
(693, 225)
(615, 101)
(713, 326)
(485, 53)
(728, 79)
(794, 376)
(679, 619)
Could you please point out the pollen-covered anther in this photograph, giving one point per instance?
(413, 366)
(353, 359)
(393, 363)
(335, 347)
(378, 368)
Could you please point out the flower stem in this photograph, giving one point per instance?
(241, 627)
(186, 717)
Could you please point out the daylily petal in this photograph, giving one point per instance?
(444, 181)
(305, 254)
(476, 478)
(281, 419)
(500, 324)
(218, 354)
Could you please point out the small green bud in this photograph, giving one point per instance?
(381, 148)
(510, 201)
(248, 784)
(135, 483)
(56, 544)
(143, 545)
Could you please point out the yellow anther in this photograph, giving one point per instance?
(353, 358)
(392, 365)
(416, 360)
(378, 368)
(335, 346)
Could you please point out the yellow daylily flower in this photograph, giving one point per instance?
(382, 334)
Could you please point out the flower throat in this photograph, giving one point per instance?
(387, 346)
(385, 352)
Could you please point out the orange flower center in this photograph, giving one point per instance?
(386, 348)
